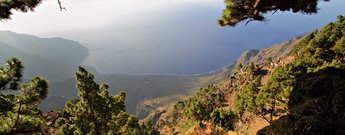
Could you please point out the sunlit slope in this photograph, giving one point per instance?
(296, 87)
(171, 121)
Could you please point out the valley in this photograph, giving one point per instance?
(49, 59)
(165, 67)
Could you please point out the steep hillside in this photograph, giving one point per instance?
(316, 105)
(153, 108)
(170, 123)
(53, 58)
(292, 88)
(247, 56)
(274, 53)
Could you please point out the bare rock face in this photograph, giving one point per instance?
(276, 52)
(246, 56)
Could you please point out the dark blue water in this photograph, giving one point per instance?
(186, 39)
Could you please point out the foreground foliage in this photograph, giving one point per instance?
(19, 112)
(97, 112)
(316, 105)
(237, 11)
(7, 7)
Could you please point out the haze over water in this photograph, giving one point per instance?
(163, 36)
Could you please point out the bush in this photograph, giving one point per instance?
(224, 118)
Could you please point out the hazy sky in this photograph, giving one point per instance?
(93, 14)
(162, 36)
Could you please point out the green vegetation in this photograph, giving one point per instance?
(316, 105)
(309, 90)
(322, 48)
(305, 90)
(7, 7)
(275, 93)
(237, 11)
(187, 125)
(319, 58)
(19, 102)
(97, 112)
(205, 106)
(203, 103)
(245, 100)
(239, 67)
(318, 50)
(148, 129)
(224, 118)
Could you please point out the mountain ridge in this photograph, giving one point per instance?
(40, 54)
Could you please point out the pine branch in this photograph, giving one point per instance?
(60, 6)
(97, 131)
(263, 116)
(17, 118)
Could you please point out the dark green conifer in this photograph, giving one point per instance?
(19, 112)
(96, 111)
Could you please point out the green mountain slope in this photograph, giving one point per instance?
(166, 119)
(296, 87)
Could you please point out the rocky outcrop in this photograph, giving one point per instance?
(276, 53)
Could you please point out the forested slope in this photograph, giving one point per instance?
(293, 88)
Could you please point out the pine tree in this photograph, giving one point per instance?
(245, 100)
(200, 106)
(96, 111)
(237, 11)
(19, 112)
(7, 7)
(224, 118)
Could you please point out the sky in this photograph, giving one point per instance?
(93, 14)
